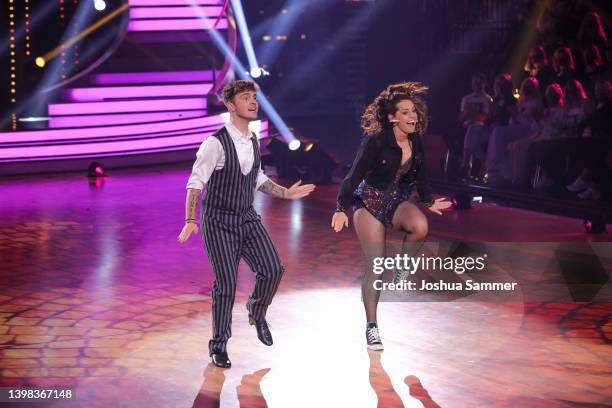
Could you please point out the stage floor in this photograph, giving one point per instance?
(97, 295)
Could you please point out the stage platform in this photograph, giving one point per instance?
(98, 296)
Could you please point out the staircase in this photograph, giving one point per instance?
(146, 104)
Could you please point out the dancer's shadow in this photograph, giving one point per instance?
(386, 394)
(210, 392)
(419, 392)
(249, 391)
(381, 383)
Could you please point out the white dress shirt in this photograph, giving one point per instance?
(211, 157)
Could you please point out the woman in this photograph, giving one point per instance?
(541, 146)
(390, 163)
(563, 63)
(562, 129)
(502, 115)
(529, 110)
(537, 66)
(594, 69)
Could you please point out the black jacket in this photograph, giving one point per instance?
(377, 161)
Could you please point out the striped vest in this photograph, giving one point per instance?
(229, 193)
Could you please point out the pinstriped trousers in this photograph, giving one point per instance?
(225, 246)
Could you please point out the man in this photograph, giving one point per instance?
(475, 108)
(229, 163)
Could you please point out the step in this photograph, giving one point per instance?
(143, 91)
(188, 140)
(138, 3)
(175, 12)
(50, 135)
(175, 37)
(120, 119)
(121, 147)
(181, 24)
(124, 78)
(149, 105)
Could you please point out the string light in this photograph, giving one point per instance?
(13, 64)
(27, 27)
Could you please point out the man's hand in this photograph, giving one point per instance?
(298, 191)
(187, 230)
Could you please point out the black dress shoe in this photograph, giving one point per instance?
(220, 359)
(263, 331)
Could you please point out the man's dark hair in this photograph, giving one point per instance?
(230, 90)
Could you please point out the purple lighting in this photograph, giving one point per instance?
(173, 2)
(118, 119)
(116, 147)
(175, 12)
(175, 25)
(31, 153)
(119, 92)
(151, 77)
(107, 131)
(155, 105)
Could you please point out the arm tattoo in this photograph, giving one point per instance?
(191, 208)
(273, 189)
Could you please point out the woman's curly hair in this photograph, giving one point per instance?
(375, 118)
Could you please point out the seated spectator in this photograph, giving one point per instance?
(569, 130)
(475, 108)
(503, 110)
(529, 107)
(529, 110)
(537, 66)
(594, 152)
(542, 145)
(593, 68)
(563, 63)
(592, 31)
(574, 110)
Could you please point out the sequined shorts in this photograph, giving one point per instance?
(381, 204)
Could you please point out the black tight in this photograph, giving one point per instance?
(409, 219)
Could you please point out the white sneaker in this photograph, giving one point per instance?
(590, 193)
(578, 185)
(400, 275)
(373, 338)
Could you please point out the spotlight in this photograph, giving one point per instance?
(95, 169)
(307, 161)
(462, 201)
(294, 144)
(40, 62)
(99, 5)
(596, 225)
(256, 72)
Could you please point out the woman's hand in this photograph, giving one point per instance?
(339, 221)
(440, 204)
(188, 229)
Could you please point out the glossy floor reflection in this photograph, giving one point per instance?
(97, 295)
